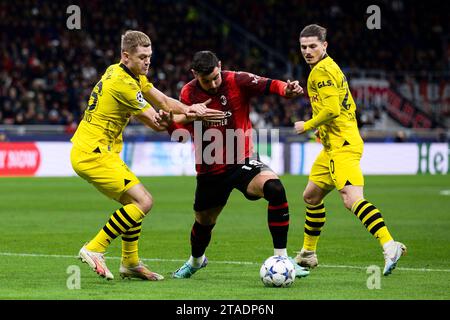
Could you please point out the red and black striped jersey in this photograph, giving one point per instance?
(227, 141)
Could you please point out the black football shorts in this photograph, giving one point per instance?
(213, 190)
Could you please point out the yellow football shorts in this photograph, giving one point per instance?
(106, 171)
(338, 168)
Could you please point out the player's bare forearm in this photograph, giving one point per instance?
(161, 101)
(197, 110)
(210, 114)
(176, 106)
(182, 118)
(151, 119)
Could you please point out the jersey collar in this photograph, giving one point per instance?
(125, 68)
(325, 57)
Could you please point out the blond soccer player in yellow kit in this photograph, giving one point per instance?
(123, 91)
(338, 164)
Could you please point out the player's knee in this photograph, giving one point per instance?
(311, 198)
(206, 220)
(145, 203)
(274, 191)
(349, 198)
(138, 196)
(348, 203)
(207, 217)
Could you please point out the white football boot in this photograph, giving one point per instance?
(307, 259)
(96, 261)
(140, 271)
(393, 250)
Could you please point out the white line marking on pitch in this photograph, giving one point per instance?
(38, 255)
(445, 192)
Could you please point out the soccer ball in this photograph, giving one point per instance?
(277, 271)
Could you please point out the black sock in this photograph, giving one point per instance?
(200, 238)
(277, 212)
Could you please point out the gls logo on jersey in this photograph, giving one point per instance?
(140, 99)
(322, 84)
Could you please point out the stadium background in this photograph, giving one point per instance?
(47, 70)
(399, 77)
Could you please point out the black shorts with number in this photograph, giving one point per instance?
(213, 190)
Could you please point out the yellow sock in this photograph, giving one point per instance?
(371, 217)
(130, 246)
(121, 221)
(315, 219)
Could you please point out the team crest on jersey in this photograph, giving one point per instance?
(223, 100)
(140, 99)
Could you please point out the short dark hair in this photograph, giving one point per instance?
(314, 30)
(204, 62)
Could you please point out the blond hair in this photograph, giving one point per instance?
(132, 39)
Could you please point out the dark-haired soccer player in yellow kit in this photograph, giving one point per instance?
(122, 92)
(338, 164)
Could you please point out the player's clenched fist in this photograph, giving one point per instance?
(293, 89)
(299, 127)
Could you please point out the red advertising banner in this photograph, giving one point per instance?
(406, 113)
(19, 158)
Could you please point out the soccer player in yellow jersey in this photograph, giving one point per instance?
(122, 92)
(338, 164)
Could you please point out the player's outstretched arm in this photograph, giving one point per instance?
(255, 85)
(286, 89)
(210, 114)
(163, 119)
(161, 101)
(200, 111)
(151, 118)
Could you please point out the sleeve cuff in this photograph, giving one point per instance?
(308, 125)
(277, 87)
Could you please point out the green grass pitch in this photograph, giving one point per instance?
(45, 221)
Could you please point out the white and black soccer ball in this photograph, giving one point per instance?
(277, 271)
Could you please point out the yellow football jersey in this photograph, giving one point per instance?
(114, 99)
(333, 106)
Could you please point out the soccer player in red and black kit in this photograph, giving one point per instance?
(230, 167)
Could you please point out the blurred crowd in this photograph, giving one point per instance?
(414, 31)
(47, 71)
